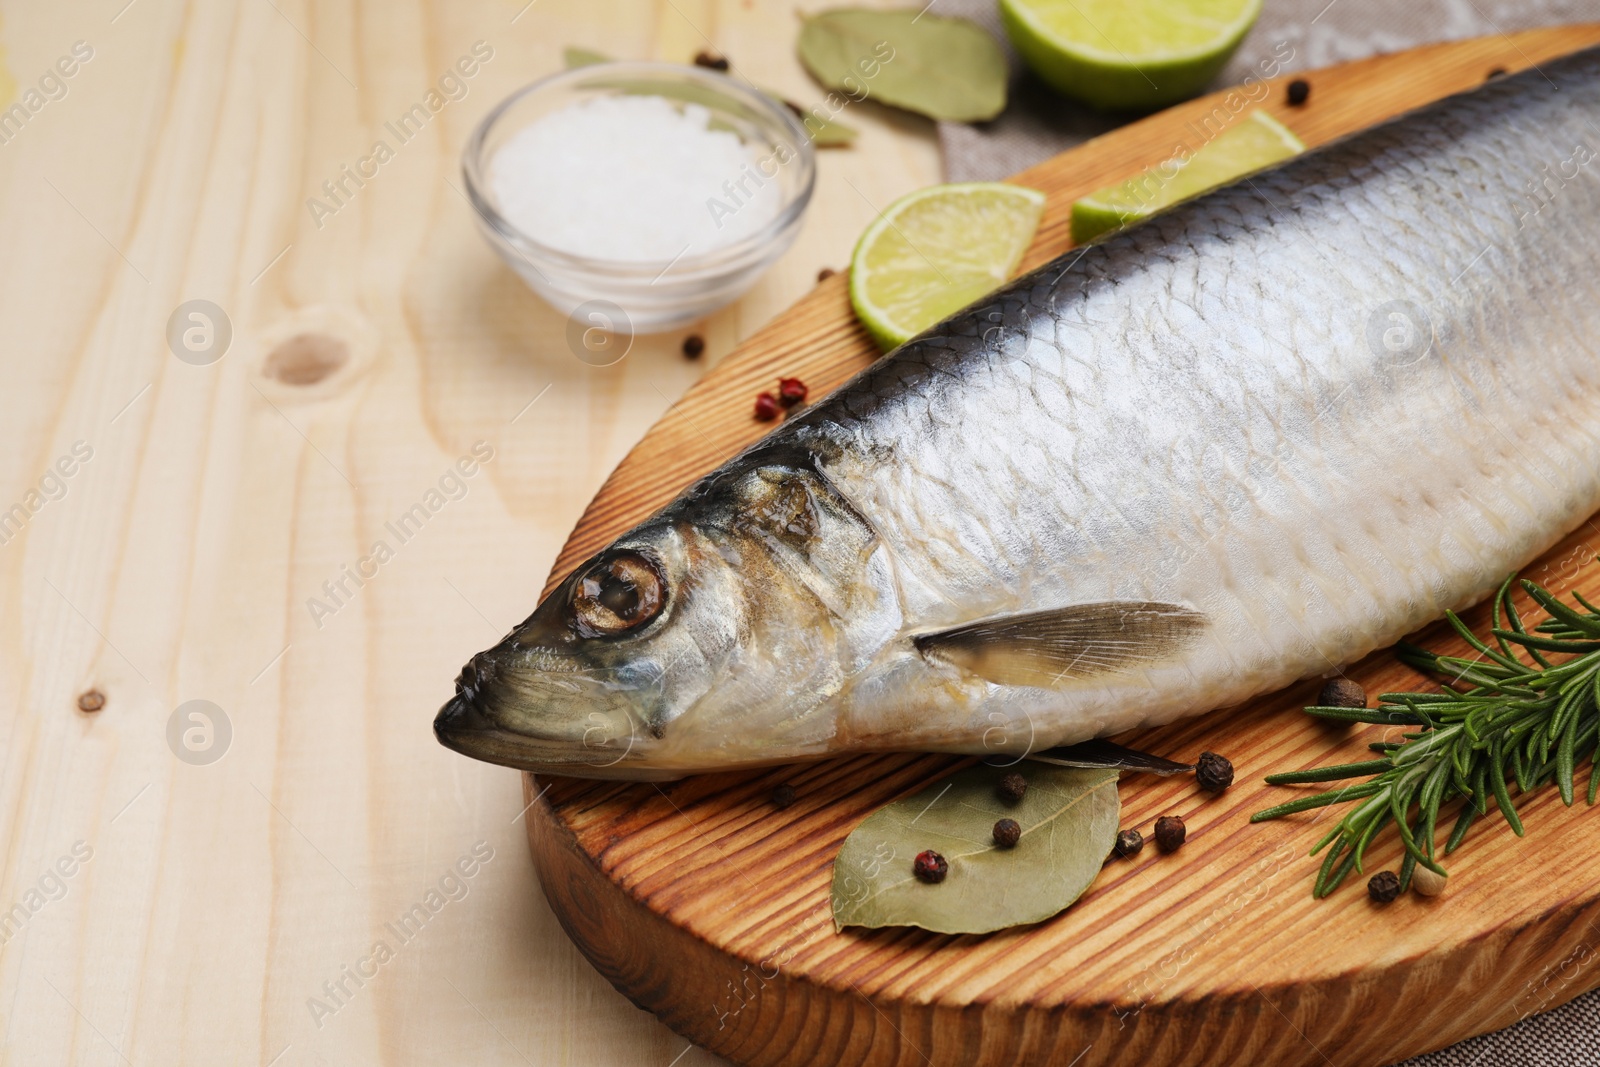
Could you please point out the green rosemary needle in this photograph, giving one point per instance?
(1499, 721)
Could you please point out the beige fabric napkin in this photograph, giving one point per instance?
(1038, 124)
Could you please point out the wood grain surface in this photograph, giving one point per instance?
(176, 163)
(706, 904)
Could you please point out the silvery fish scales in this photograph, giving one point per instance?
(1242, 443)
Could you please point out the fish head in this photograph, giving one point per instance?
(716, 635)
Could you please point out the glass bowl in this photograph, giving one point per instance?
(653, 295)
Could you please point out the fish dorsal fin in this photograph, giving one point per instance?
(1048, 648)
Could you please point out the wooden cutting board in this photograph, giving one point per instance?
(707, 905)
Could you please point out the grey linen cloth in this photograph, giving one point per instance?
(1038, 123)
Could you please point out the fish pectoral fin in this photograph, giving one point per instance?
(1046, 648)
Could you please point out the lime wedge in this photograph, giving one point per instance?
(1128, 54)
(1250, 144)
(936, 251)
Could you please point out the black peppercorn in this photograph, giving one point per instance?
(824, 274)
(1129, 843)
(711, 61)
(1341, 693)
(1013, 787)
(930, 867)
(1007, 832)
(693, 345)
(1299, 90)
(93, 700)
(1213, 772)
(1170, 833)
(1384, 886)
(783, 796)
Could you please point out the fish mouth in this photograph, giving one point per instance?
(462, 726)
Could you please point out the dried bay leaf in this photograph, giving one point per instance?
(686, 93)
(1099, 752)
(824, 130)
(827, 132)
(575, 56)
(1069, 823)
(944, 68)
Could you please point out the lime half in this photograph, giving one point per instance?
(1128, 54)
(1254, 142)
(936, 251)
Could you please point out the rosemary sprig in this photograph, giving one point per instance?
(1499, 721)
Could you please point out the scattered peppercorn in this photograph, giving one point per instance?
(1427, 881)
(1012, 788)
(799, 112)
(1299, 91)
(766, 407)
(1129, 843)
(693, 345)
(930, 867)
(1498, 72)
(825, 273)
(783, 796)
(1007, 832)
(1384, 886)
(791, 391)
(1170, 833)
(1213, 772)
(711, 61)
(93, 700)
(1342, 693)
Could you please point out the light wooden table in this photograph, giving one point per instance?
(176, 562)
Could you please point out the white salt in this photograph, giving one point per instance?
(634, 178)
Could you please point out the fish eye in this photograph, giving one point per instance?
(619, 593)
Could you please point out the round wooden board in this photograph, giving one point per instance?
(707, 905)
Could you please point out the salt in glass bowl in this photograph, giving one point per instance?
(652, 296)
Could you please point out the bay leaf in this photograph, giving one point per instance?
(1069, 823)
(573, 56)
(681, 92)
(828, 132)
(825, 132)
(1099, 752)
(944, 68)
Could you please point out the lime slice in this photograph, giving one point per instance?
(1128, 54)
(936, 251)
(1254, 142)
